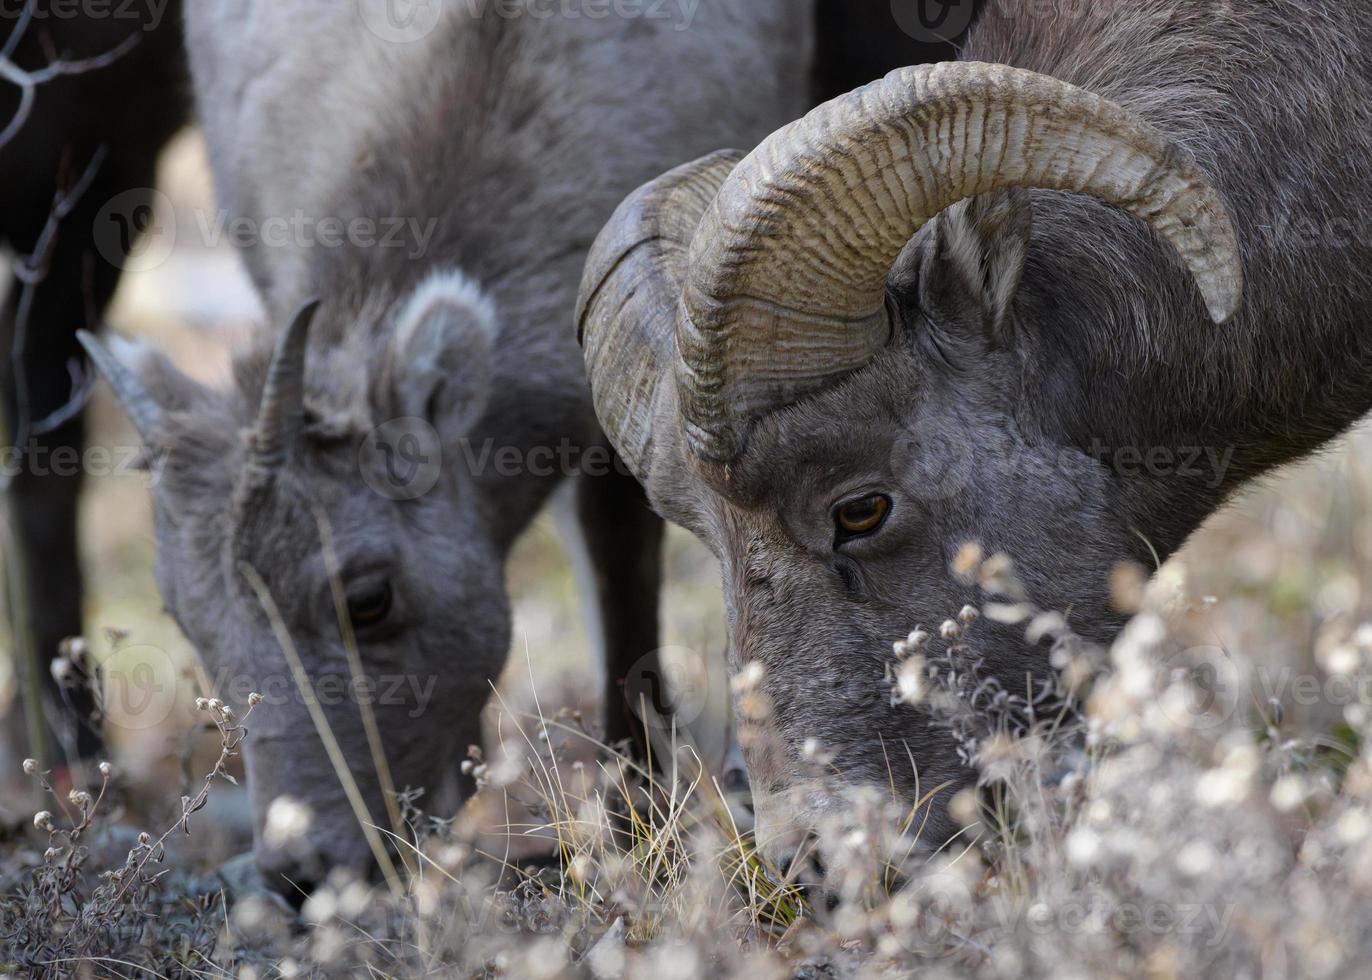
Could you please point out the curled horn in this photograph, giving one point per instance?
(281, 414)
(627, 308)
(141, 408)
(788, 267)
(280, 420)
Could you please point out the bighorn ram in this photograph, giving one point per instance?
(960, 305)
(497, 140)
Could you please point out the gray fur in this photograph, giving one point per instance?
(1043, 337)
(512, 139)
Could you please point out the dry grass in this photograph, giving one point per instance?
(1163, 831)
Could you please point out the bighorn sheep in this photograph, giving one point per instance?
(495, 141)
(960, 305)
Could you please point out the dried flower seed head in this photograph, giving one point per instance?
(227, 713)
(105, 769)
(916, 640)
(288, 820)
(965, 809)
(950, 631)
(202, 704)
(42, 820)
(1045, 625)
(968, 562)
(62, 670)
(1077, 672)
(912, 682)
(30, 767)
(254, 699)
(1128, 583)
(1011, 614)
(216, 705)
(969, 614)
(997, 575)
(144, 839)
(580, 869)
(748, 679)
(79, 797)
(813, 751)
(1342, 660)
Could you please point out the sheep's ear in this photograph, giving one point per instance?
(970, 274)
(444, 334)
(145, 381)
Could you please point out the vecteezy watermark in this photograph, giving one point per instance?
(1206, 925)
(402, 459)
(933, 21)
(671, 688)
(36, 459)
(935, 458)
(412, 692)
(148, 13)
(400, 21)
(301, 230)
(406, 21)
(567, 459)
(940, 456)
(137, 230)
(1199, 688)
(1209, 464)
(935, 913)
(140, 689)
(1285, 229)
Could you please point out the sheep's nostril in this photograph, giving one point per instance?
(735, 783)
(806, 873)
(295, 891)
(294, 880)
(737, 789)
(802, 867)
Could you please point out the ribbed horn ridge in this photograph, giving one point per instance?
(281, 414)
(788, 267)
(142, 410)
(626, 314)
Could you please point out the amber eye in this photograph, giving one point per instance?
(859, 517)
(370, 604)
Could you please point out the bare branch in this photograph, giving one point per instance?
(31, 270)
(17, 35)
(28, 81)
(82, 385)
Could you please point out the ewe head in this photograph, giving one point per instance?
(819, 358)
(319, 498)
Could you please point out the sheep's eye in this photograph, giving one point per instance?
(369, 605)
(857, 518)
